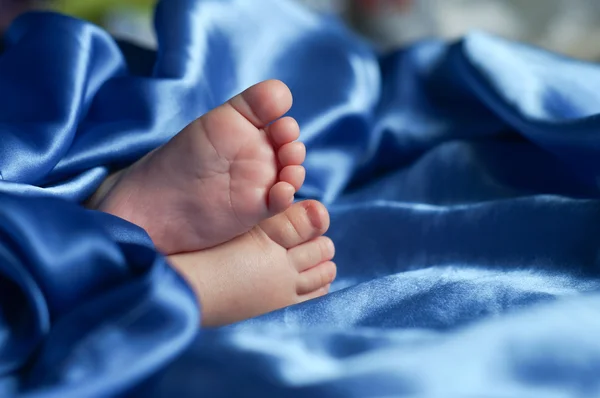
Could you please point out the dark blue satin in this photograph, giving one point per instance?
(462, 181)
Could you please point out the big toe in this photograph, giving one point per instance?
(264, 102)
(300, 223)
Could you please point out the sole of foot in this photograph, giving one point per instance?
(224, 173)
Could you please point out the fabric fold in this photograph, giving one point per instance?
(461, 179)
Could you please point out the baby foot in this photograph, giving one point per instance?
(225, 172)
(284, 260)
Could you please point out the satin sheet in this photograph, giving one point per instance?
(462, 179)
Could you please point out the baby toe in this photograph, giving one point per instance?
(283, 131)
(264, 102)
(306, 256)
(316, 278)
(293, 175)
(281, 196)
(290, 154)
(313, 295)
(300, 223)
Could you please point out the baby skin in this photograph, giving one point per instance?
(282, 261)
(220, 176)
(217, 198)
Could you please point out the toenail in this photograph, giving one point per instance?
(332, 272)
(314, 215)
(331, 277)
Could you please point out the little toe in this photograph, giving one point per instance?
(316, 278)
(316, 294)
(312, 253)
(293, 153)
(293, 175)
(264, 102)
(283, 131)
(281, 196)
(302, 222)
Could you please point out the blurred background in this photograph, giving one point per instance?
(570, 27)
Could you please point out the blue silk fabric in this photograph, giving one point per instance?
(462, 179)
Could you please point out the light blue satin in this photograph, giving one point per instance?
(462, 179)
